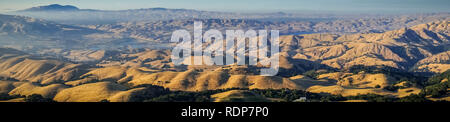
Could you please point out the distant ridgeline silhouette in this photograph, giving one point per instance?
(53, 7)
(57, 7)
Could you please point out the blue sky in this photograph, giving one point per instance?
(377, 6)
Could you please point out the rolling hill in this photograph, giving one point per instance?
(317, 63)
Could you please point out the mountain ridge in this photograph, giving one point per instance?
(52, 7)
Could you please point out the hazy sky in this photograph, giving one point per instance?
(378, 6)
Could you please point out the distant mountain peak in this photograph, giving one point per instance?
(53, 7)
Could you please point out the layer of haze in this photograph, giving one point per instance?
(337, 6)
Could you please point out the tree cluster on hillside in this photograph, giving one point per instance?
(37, 98)
(5, 96)
(437, 85)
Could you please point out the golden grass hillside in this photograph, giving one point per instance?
(194, 80)
(92, 92)
(437, 63)
(349, 84)
(28, 68)
(366, 80)
(48, 91)
(95, 92)
(7, 86)
(392, 48)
